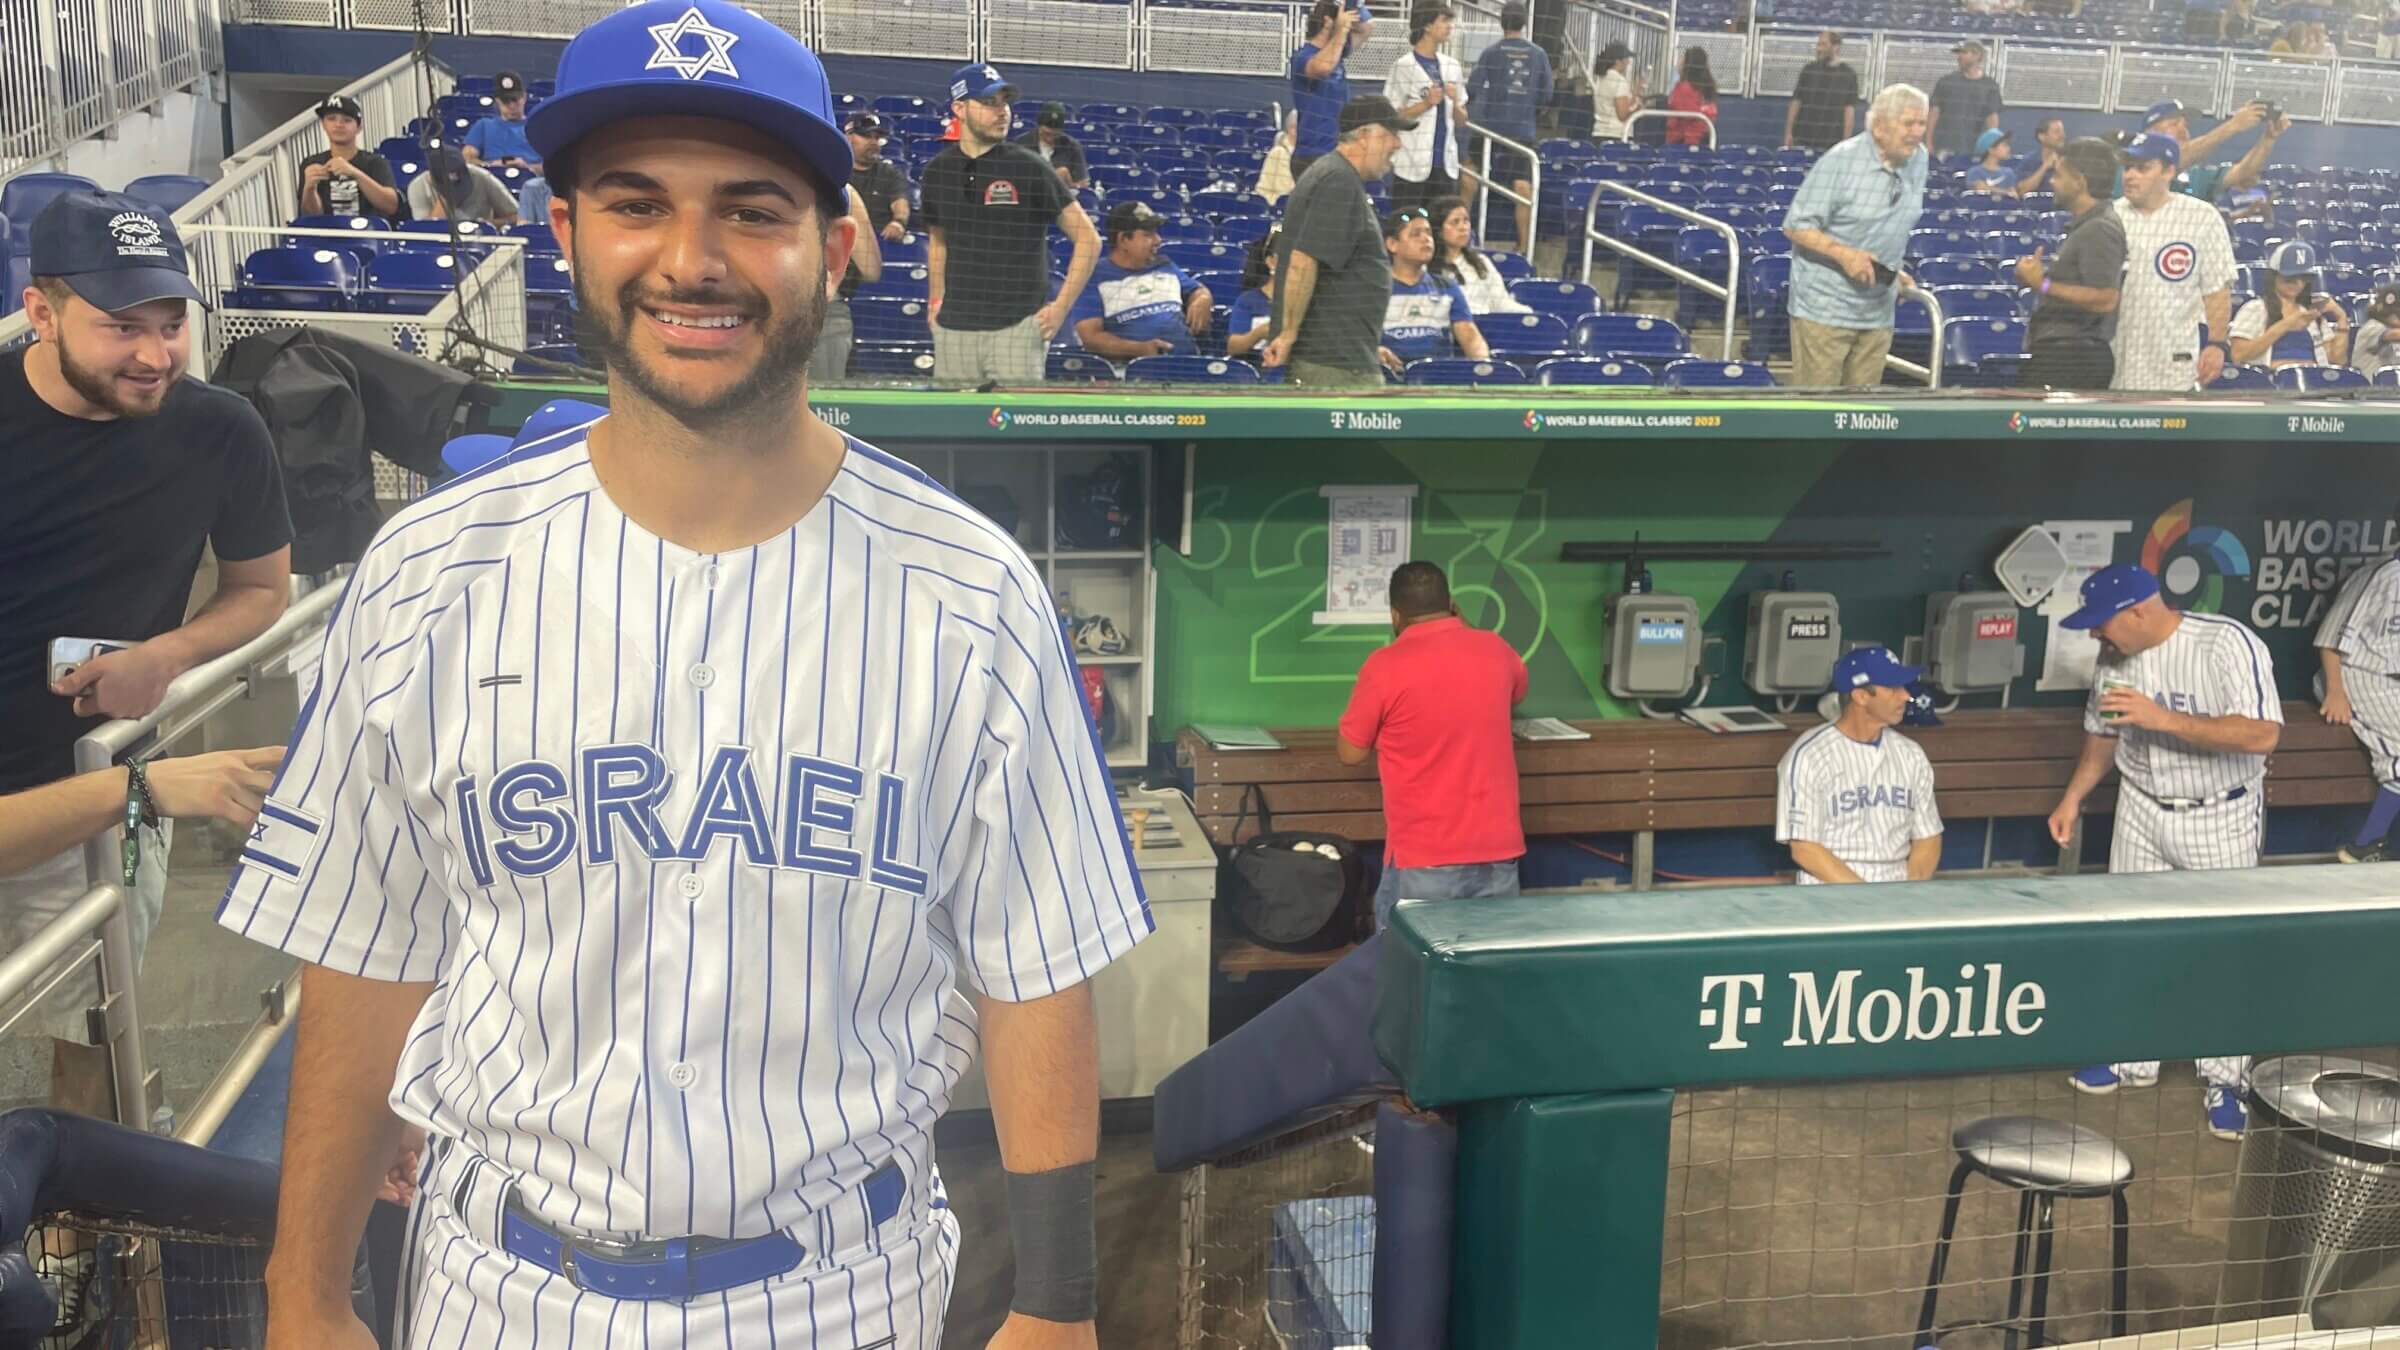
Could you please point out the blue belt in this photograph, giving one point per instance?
(676, 1269)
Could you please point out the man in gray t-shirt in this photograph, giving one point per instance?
(452, 189)
(1333, 278)
(2075, 313)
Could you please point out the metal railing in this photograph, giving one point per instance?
(97, 928)
(1669, 115)
(1483, 199)
(76, 67)
(1931, 372)
(1729, 290)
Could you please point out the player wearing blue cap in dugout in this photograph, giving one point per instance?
(747, 798)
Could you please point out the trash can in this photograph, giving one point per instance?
(2316, 1211)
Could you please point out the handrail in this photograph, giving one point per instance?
(1733, 251)
(200, 1124)
(1670, 114)
(1931, 372)
(102, 912)
(1483, 200)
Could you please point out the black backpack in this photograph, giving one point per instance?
(1293, 890)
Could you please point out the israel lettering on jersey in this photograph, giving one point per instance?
(1417, 319)
(700, 852)
(1865, 802)
(1138, 306)
(2210, 666)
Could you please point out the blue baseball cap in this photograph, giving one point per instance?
(2155, 145)
(1992, 136)
(1864, 666)
(2109, 592)
(112, 250)
(2164, 109)
(977, 80)
(2298, 258)
(705, 58)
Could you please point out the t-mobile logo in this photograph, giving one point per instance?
(1729, 1003)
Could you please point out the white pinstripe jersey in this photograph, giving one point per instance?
(697, 848)
(2363, 622)
(2210, 666)
(1862, 801)
(2175, 257)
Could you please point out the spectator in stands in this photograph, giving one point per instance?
(119, 470)
(2250, 203)
(877, 180)
(830, 361)
(2177, 306)
(1320, 82)
(1050, 140)
(1427, 315)
(1139, 304)
(1434, 709)
(1335, 279)
(2292, 41)
(227, 785)
(452, 189)
(2319, 42)
(1849, 229)
(1457, 261)
(2292, 323)
(1966, 103)
(499, 140)
(1824, 106)
(2075, 307)
(2387, 34)
(1510, 87)
(1427, 84)
(1696, 92)
(1251, 318)
(1992, 172)
(988, 205)
(1275, 176)
(1616, 92)
(2199, 178)
(345, 180)
(533, 201)
(2373, 346)
(2050, 139)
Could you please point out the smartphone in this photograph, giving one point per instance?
(68, 653)
(1885, 275)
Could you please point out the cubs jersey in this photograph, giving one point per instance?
(1865, 802)
(698, 851)
(2210, 666)
(1417, 319)
(2175, 258)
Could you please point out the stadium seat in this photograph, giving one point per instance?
(406, 281)
(318, 279)
(1512, 266)
(1974, 302)
(1628, 335)
(166, 191)
(1511, 334)
(24, 196)
(898, 283)
(549, 284)
(536, 234)
(1098, 157)
(1187, 181)
(2252, 378)
(1457, 370)
(1591, 370)
(1951, 269)
(2388, 377)
(1697, 372)
(1190, 370)
(1177, 117)
(906, 251)
(1219, 205)
(1567, 299)
(1218, 138)
(2318, 379)
(2001, 370)
(899, 361)
(1109, 112)
(1202, 257)
(1243, 229)
(904, 105)
(1967, 343)
(884, 320)
(1079, 366)
(1242, 117)
(1172, 158)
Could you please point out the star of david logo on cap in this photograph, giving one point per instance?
(670, 55)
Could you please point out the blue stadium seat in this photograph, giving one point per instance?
(1223, 286)
(1951, 269)
(166, 191)
(1968, 342)
(1219, 138)
(1199, 178)
(2388, 377)
(1974, 302)
(1203, 257)
(1511, 266)
(2317, 379)
(24, 196)
(1592, 370)
(1457, 370)
(1217, 205)
(405, 281)
(1697, 372)
(2001, 370)
(1177, 117)
(919, 126)
(1242, 229)
(2250, 378)
(846, 104)
(906, 251)
(1079, 366)
(1108, 157)
(1567, 299)
(1109, 112)
(549, 283)
(1511, 334)
(905, 105)
(1190, 370)
(894, 361)
(883, 320)
(1148, 136)
(1242, 164)
(1242, 117)
(899, 283)
(1941, 243)
(1170, 158)
(1628, 335)
(316, 279)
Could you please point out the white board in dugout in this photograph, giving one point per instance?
(1366, 536)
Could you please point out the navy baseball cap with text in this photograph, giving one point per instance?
(2164, 110)
(977, 80)
(703, 58)
(2155, 145)
(112, 250)
(2109, 592)
(1864, 666)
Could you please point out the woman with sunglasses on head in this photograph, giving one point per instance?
(2291, 323)
(1456, 260)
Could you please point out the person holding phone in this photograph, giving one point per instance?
(2376, 344)
(1849, 229)
(2291, 322)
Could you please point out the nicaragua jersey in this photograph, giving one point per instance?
(2175, 258)
(1865, 802)
(2211, 666)
(2363, 623)
(1417, 319)
(696, 849)
(1137, 306)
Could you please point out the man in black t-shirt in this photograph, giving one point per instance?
(1333, 274)
(879, 182)
(115, 471)
(1824, 109)
(988, 205)
(1050, 140)
(1965, 104)
(346, 180)
(2070, 338)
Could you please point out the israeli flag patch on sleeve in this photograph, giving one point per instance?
(283, 843)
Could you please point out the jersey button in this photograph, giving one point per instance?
(682, 1075)
(703, 675)
(691, 886)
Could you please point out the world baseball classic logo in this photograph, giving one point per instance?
(2175, 261)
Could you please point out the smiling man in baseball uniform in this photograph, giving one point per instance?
(1854, 797)
(2184, 706)
(684, 799)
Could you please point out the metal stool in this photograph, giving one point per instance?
(2045, 1161)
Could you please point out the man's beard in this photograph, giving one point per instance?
(99, 387)
(607, 331)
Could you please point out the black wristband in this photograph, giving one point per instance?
(1050, 1224)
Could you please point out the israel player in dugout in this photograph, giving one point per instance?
(2184, 705)
(2358, 650)
(684, 799)
(1854, 797)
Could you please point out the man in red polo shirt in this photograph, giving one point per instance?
(1434, 710)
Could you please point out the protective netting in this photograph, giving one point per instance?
(124, 1286)
(1279, 1243)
